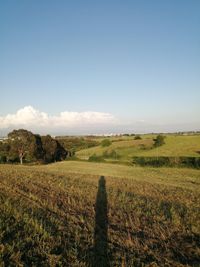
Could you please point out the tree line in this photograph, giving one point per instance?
(24, 146)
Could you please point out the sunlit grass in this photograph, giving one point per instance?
(175, 145)
(47, 215)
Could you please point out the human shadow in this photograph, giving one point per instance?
(100, 256)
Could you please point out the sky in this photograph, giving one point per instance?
(82, 67)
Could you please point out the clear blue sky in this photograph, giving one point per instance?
(138, 60)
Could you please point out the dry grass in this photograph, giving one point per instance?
(138, 217)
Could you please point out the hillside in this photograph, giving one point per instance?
(95, 214)
(175, 145)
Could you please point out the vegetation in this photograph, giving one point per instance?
(22, 145)
(137, 137)
(99, 215)
(106, 142)
(2, 159)
(74, 144)
(106, 155)
(78, 213)
(95, 158)
(191, 162)
(124, 148)
(175, 146)
(159, 140)
(110, 154)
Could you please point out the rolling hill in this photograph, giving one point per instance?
(175, 145)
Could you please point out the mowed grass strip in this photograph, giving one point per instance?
(48, 215)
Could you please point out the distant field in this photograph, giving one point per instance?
(95, 214)
(175, 145)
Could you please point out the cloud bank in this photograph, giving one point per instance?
(29, 117)
(89, 122)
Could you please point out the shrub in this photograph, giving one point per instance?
(76, 143)
(3, 159)
(112, 154)
(95, 158)
(137, 137)
(159, 140)
(105, 142)
(193, 162)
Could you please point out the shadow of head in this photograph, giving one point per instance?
(102, 182)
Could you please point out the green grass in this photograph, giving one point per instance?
(175, 145)
(125, 148)
(64, 214)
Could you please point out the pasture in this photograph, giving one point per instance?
(127, 147)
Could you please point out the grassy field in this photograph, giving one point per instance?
(94, 214)
(175, 145)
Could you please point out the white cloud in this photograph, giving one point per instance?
(29, 117)
(88, 122)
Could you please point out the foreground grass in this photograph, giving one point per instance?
(178, 177)
(65, 214)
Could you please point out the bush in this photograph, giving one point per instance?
(76, 143)
(3, 159)
(105, 142)
(112, 154)
(137, 137)
(193, 162)
(95, 158)
(159, 140)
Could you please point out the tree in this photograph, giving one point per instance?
(3, 159)
(24, 146)
(159, 140)
(105, 142)
(53, 149)
(137, 137)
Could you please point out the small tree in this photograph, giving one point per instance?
(159, 140)
(137, 137)
(106, 142)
